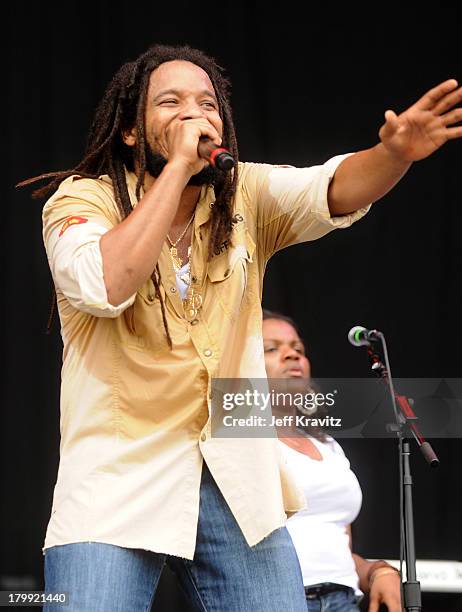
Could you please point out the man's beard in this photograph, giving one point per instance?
(155, 163)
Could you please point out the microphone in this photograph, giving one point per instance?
(360, 336)
(216, 155)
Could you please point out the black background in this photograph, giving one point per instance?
(305, 87)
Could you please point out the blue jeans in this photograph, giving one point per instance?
(337, 601)
(226, 574)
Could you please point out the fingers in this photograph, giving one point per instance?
(208, 131)
(391, 126)
(452, 133)
(188, 132)
(392, 603)
(392, 119)
(448, 101)
(182, 139)
(393, 606)
(373, 605)
(452, 117)
(429, 100)
(385, 589)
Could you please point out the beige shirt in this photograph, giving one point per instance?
(135, 423)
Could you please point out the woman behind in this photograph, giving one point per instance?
(334, 577)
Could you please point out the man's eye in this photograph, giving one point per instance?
(210, 105)
(169, 101)
(270, 349)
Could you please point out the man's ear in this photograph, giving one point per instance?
(129, 137)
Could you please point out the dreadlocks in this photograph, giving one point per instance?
(121, 109)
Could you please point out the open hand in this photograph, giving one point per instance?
(425, 126)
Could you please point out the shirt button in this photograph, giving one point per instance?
(194, 321)
(194, 279)
(227, 272)
(172, 289)
(150, 297)
(208, 352)
(203, 437)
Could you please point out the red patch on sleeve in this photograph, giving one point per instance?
(71, 221)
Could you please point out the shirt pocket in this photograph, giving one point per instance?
(144, 321)
(229, 275)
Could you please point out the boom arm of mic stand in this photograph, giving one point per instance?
(425, 447)
(405, 414)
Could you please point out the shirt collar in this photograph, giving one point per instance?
(131, 180)
(205, 205)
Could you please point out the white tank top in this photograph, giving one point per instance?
(333, 498)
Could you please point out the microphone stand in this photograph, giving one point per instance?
(405, 423)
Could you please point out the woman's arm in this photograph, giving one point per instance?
(380, 579)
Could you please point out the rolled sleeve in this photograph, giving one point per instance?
(76, 265)
(320, 204)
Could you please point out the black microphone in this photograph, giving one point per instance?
(360, 336)
(215, 155)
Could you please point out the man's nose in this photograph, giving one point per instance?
(191, 110)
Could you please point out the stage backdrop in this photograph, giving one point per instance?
(304, 89)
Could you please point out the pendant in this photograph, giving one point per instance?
(177, 261)
(191, 304)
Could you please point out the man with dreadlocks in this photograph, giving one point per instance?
(158, 259)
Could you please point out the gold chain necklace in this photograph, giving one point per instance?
(177, 261)
(193, 300)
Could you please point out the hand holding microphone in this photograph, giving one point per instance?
(194, 138)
